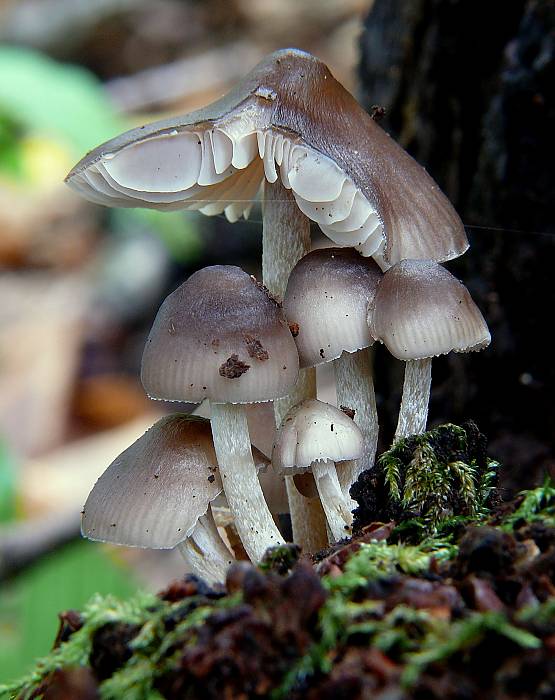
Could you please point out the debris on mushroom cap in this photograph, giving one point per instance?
(421, 310)
(153, 494)
(229, 342)
(313, 431)
(345, 172)
(326, 301)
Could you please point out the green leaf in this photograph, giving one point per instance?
(8, 485)
(63, 101)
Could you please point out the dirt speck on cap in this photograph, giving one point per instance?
(348, 411)
(233, 368)
(255, 348)
(294, 328)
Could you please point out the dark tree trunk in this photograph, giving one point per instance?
(468, 89)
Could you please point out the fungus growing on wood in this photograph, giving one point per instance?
(420, 311)
(316, 436)
(200, 346)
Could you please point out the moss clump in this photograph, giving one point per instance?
(281, 559)
(432, 477)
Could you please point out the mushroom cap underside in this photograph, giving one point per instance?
(288, 118)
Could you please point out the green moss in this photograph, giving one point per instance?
(537, 504)
(437, 475)
(280, 559)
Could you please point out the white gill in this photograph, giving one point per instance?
(216, 171)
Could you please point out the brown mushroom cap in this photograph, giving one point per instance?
(153, 494)
(326, 303)
(346, 173)
(219, 336)
(420, 310)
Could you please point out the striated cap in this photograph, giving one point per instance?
(289, 119)
(153, 494)
(326, 303)
(421, 310)
(219, 336)
(313, 431)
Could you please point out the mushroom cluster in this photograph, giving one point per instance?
(227, 340)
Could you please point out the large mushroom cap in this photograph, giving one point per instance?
(288, 118)
(313, 431)
(153, 494)
(420, 310)
(219, 336)
(326, 303)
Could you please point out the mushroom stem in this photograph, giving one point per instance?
(205, 552)
(285, 237)
(337, 512)
(285, 240)
(413, 413)
(252, 517)
(355, 390)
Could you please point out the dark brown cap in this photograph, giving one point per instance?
(346, 173)
(219, 336)
(153, 494)
(326, 303)
(421, 310)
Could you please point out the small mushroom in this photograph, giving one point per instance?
(157, 494)
(220, 336)
(420, 311)
(317, 437)
(326, 302)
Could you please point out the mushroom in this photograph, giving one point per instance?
(317, 437)
(157, 494)
(221, 336)
(326, 305)
(287, 120)
(420, 311)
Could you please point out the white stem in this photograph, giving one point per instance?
(285, 237)
(413, 413)
(337, 512)
(205, 552)
(308, 521)
(285, 240)
(251, 515)
(355, 389)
